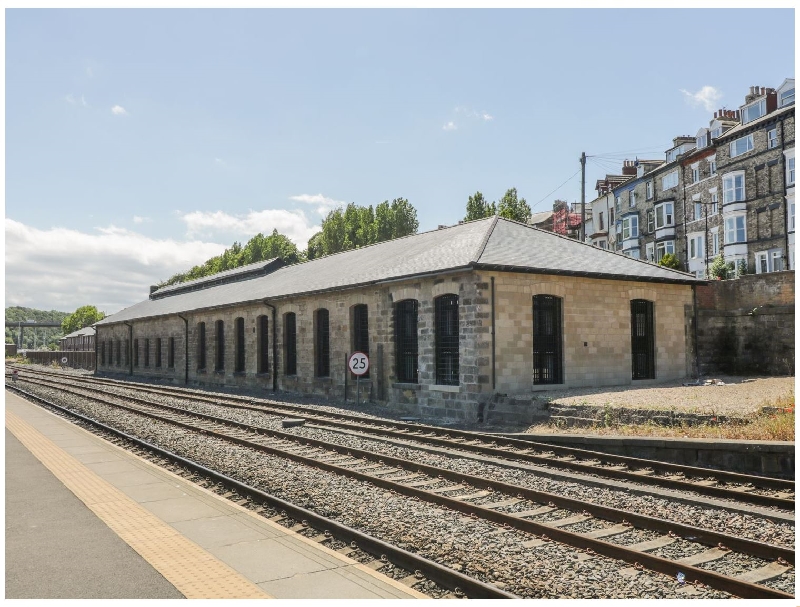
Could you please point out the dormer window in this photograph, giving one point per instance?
(673, 154)
(754, 111)
(787, 98)
(702, 140)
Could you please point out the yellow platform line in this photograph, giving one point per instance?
(192, 570)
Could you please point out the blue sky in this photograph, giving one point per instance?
(142, 142)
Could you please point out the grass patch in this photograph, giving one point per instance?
(774, 422)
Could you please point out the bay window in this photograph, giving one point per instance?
(735, 229)
(733, 188)
(662, 248)
(664, 215)
(630, 227)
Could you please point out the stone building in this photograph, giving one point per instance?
(448, 318)
(600, 230)
(81, 340)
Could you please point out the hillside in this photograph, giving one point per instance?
(38, 338)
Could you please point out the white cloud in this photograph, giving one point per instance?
(324, 204)
(220, 162)
(114, 270)
(707, 96)
(70, 99)
(486, 116)
(449, 126)
(137, 219)
(118, 110)
(83, 101)
(293, 224)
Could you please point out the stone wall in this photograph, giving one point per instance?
(746, 326)
(596, 340)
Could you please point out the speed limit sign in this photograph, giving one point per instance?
(358, 363)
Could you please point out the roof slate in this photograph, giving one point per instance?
(487, 242)
(80, 332)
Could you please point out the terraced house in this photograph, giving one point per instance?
(448, 318)
(729, 190)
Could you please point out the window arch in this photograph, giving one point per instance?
(322, 343)
(446, 331)
(360, 330)
(201, 346)
(406, 316)
(219, 363)
(547, 340)
(290, 342)
(262, 344)
(238, 327)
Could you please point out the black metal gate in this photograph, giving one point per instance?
(642, 339)
(547, 367)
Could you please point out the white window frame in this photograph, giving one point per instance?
(791, 215)
(651, 220)
(772, 138)
(665, 215)
(714, 242)
(761, 104)
(733, 187)
(668, 179)
(770, 260)
(697, 247)
(695, 172)
(663, 248)
(649, 251)
(698, 208)
(630, 227)
(747, 146)
(631, 199)
(790, 170)
(736, 229)
(786, 98)
(648, 189)
(714, 201)
(712, 165)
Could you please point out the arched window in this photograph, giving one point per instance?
(135, 352)
(322, 339)
(158, 352)
(643, 356)
(201, 346)
(171, 353)
(360, 330)
(147, 352)
(262, 344)
(290, 342)
(239, 339)
(446, 331)
(219, 363)
(405, 340)
(547, 338)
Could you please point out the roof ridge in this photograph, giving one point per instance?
(485, 240)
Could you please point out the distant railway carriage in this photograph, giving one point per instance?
(449, 318)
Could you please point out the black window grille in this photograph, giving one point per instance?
(118, 347)
(201, 345)
(642, 339)
(446, 328)
(171, 353)
(361, 331)
(158, 352)
(322, 344)
(135, 352)
(239, 328)
(102, 353)
(290, 339)
(547, 338)
(127, 351)
(263, 344)
(219, 363)
(406, 340)
(146, 352)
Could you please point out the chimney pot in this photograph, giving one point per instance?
(763, 90)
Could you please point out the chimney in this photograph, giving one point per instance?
(763, 91)
(752, 90)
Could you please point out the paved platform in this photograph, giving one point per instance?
(86, 519)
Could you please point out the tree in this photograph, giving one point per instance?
(512, 208)
(670, 261)
(405, 218)
(479, 208)
(80, 318)
(720, 270)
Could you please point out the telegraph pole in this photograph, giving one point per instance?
(583, 196)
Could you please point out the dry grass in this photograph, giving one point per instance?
(774, 425)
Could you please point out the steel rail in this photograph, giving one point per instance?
(379, 428)
(440, 574)
(658, 564)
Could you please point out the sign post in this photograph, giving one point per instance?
(358, 363)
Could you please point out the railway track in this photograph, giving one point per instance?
(540, 518)
(737, 488)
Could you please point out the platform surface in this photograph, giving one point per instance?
(86, 519)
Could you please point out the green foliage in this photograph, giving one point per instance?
(512, 208)
(670, 261)
(355, 227)
(258, 248)
(80, 318)
(46, 337)
(478, 207)
(742, 268)
(719, 270)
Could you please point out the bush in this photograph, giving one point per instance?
(671, 261)
(720, 270)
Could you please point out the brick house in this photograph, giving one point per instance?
(448, 318)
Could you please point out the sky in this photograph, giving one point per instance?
(141, 142)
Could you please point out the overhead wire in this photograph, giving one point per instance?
(534, 205)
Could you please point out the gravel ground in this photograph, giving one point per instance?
(735, 396)
(474, 546)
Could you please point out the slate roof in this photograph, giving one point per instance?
(742, 128)
(81, 332)
(240, 273)
(492, 243)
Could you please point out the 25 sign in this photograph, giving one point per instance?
(358, 363)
